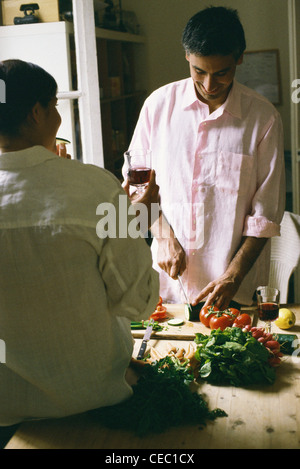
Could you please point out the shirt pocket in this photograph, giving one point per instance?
(233, 172)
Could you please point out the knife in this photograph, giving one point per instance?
(146, 338)
(185, 296)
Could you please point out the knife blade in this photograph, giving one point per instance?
(185, 295)
(146, 338)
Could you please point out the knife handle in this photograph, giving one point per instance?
(142, 350)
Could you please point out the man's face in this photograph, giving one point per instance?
(213, 76)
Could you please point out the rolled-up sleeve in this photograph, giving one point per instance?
(268, 203)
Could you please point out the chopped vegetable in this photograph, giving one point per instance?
(175, 322)
(159, 315)
(233, 357)
(160, 312)
(144, 324)
(191, 313)
(161, 399)
(186, 357)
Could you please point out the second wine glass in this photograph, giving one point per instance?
(268, 305)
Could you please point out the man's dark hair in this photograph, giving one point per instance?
(214, 31)
(25, 85)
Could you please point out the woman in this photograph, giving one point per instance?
(67, 293)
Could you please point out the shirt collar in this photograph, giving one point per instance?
(190, 96)
(232, 104)
(24, 158)
(233, 101)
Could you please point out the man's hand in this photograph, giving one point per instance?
(149, 197)
(222, 290)
(171, 257)
(150, 194)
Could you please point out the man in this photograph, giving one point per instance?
(217, 150)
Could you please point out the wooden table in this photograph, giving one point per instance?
(260, 418)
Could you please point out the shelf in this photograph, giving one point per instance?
(112, 35)
(59, 26)
(36, 29)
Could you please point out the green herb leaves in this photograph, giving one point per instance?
(161, 399)
(233, 357)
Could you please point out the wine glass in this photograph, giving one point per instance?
(268, 305)
(139, 166)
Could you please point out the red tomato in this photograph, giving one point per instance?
(242, 320)
(220, 321)
(158, 315)
(233, 311)
(206, 313)
(232, 314)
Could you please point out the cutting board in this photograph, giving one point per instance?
(187, 330)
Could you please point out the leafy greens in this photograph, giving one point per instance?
(161, 399)
(233, 357)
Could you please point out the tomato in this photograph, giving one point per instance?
(220, 321)
(232, 314)
(206, 313)
(242, 320)
(233, 311)
(159, 313)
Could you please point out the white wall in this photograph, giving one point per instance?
(162, 22)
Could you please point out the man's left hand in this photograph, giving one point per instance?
(220, 292)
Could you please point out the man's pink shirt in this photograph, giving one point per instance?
(221, 177)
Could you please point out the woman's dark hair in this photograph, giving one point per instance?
(214, 31)
(25, 85)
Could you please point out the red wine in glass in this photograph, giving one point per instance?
(268, 311)
(138, 176)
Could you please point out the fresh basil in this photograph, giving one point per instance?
(233, 357)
